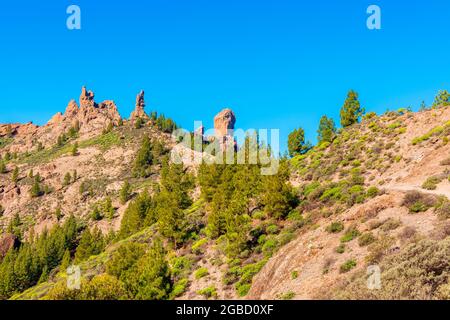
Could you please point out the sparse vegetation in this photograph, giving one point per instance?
(431, 183)
(365, 239)
(418, 202)
(350, 234)
(294, 274)
(2, 167)
(335, 227)
(341, 248)
(390, 224)
(347, 266)
(435, 132)
(209, 292)
(419, 272)
(288, 295)
(201, 272)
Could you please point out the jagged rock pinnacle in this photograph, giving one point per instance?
(139, 111)
(86, 98)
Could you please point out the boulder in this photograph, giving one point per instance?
(8, 241)
(224, 123)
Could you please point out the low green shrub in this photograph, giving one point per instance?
(418, 202)
(365, 239)
(390, 224)
(349, 235)
(179, 288)
(209, 292)
(288, 296)
(199, 246)
(201, 273)
(335, 227)
(272, 229)
(431, 183)
(340, 249)
(372, 192)
(347, 266)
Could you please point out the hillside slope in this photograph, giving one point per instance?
(398, 156)
(97, 191)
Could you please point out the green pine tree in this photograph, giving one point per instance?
(297, 144)
(65, 263)
(58, 213)
(96, 214)
(151, 279)
(139, 123)
(74, 150)
(108, 208)
(144, 159)
(277, 197)
(67, 179)
(125, 192)
(327, 130)
(91, 243)
(442, 99)
(2, 167)
(351, 111)
(136, 214)
(36, 190)
(14, 226)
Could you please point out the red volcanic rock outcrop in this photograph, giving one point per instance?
(17, 129)
(57, 118)
(224, 123)
(71, 110)
(90, 116)
(139, 111)
(86, 99)
(7, 241)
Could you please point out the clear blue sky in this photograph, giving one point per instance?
(278, 64)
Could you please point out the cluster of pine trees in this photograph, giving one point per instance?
(351, 113)
(149, 153)
(233, 192)
(165, 207)
(163, 123)
(131, 273)
(33, 261)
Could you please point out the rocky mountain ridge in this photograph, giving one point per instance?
(377, 192)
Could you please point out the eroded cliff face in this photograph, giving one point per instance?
(89, 120)
(101, 162)
(309, 267)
